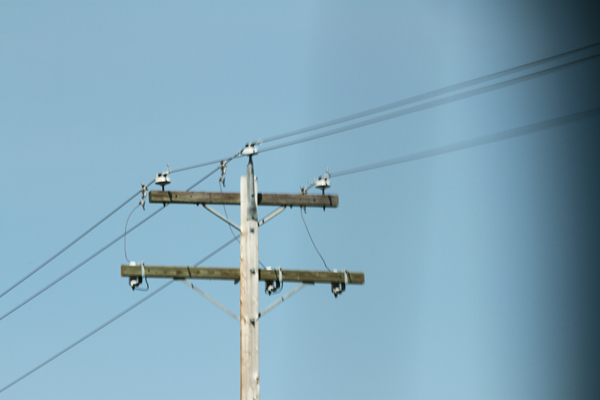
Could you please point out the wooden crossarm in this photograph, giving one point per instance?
(156, 271)
(264, 199)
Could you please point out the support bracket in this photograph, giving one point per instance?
(212, 211)
(215, 302)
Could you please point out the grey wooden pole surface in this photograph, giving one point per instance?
(250, 379)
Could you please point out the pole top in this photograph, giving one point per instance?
(250, 149)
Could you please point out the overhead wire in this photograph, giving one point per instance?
(174, 171)
(508, 134)
(68, 246)
(69, 272)
(470, 143)
(110, 321)
(125, 233)
(104, 325)
(76, 267)
(431, 104)
(313, 242)
(405, 102)
(381, 118)
(225, 211)
(430, 94)
(398, 160)
(42, 265)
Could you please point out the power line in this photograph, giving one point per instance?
(200, 165)
(431, 104)
(110, 321)
(113, 319)
(104, 219)
(401, 103)
(496, 137)
(63, 276)
(125, 232)
(428, 95)
(313, 242)
(226, 159)
(217, 250)
(69, 272)
(42, 265)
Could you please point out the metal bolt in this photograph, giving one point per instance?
(252, 271)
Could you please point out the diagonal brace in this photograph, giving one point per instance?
(221, 217)
(283, 298)
(215, 302)
(271, 216)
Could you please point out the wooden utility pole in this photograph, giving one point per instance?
(250, 379)
(248, 273)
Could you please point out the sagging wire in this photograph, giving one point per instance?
(311, 239)
(42, 265)
(101, 250)
(135, 282)
(321, 183)
(125, 233)
(144, 191)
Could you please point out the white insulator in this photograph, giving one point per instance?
(323, 183)
(162, 179)
(249, 150)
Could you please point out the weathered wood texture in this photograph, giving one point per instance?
(194, 197)
(164, 271)
(161, 271)
(264, 199)
(249, 345)
(357, 278)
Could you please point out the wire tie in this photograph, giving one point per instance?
(144, 191)
(223, 167)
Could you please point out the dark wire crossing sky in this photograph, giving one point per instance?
(479, 254)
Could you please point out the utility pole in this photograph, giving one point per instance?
(248, 273)
(250, 380)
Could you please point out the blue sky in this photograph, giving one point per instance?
(481, 265)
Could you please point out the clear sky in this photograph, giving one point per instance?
(481, 265)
